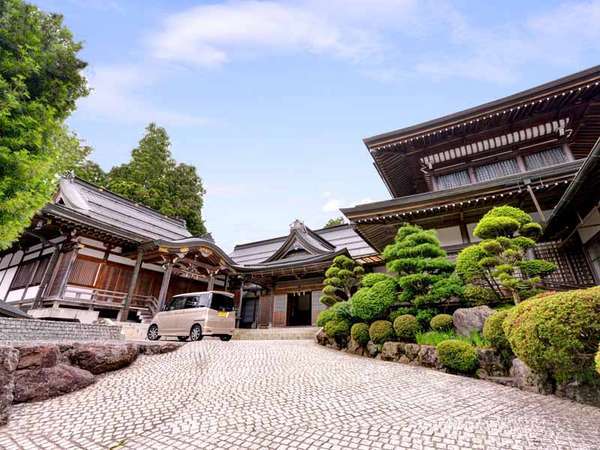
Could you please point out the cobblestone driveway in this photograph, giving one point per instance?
(295, 394)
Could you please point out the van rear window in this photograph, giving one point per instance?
(221, 302)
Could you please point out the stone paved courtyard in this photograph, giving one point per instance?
(295, 394)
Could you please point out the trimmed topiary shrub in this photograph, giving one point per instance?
(360, 333)
(381, 331)
(441, 322)
(493, 331)
(325, 316)
(371, 278)
(406, 327)
(341, 280)
(337, 329)
(557, 334)
(373, 303)
(457, 355)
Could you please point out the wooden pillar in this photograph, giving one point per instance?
(239, 313)
(71, 255)
(536, 203)
(211, 281)
(164, 287)
(37, 303)
(124, 312)
(464, 231)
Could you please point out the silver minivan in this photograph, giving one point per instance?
(195, 315)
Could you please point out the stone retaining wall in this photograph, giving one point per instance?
(34, 371)
(16, 330)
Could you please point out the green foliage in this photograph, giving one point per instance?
(441, 322)
(152, 177)
(91, 172)
(497, 264)
(371, 278)
(424, 316)
(406, 327)
(325, 316)
(556, 334)
(40, 81)
(337, 329)
(400, 312)
(334, 222)
(373, 303)
(598, 360)
(435, 337)
(422, 267)
(457, 355)
(360, 333)
(342, 279)
(381, 331)
(341, 310)
(494, 333)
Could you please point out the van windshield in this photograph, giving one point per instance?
(221, 302)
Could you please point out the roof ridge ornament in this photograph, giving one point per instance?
(298, 225)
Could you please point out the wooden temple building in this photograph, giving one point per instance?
(534, 150)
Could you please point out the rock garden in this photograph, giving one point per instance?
(486, 315)
(34, 371)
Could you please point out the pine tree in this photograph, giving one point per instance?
(342, 279)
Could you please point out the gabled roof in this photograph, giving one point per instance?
(85, 202)
(339, 237)
(301, 241)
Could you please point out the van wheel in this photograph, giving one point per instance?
(225, 337)
(153, 333)
(196, 333)
(182, 338)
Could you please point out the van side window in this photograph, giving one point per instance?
(221, 302)
(197, 301)
(178, 303)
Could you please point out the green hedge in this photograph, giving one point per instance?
(371, 278)
(325, 316)
(493, 331)
(337, 328)
(381, 331)
(360, 333)
(557, 334)
(406, 327)
(457, 355)
(373, 303)
(441, 322)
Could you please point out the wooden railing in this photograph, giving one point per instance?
(106, 298)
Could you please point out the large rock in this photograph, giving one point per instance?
(582, 392)
(33, 356)
(467, 320)
(372, 349)
(428, 357)
(491, 363)
(411, 351)
(9, 358)
(355, 348)
(392, 351)
(102, 357)
(524, 378)
(43, 383)
(322, 338)
(158, 348)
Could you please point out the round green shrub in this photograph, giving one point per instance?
(556, 334)
(372, 303)
(493, 331)
(371, 278)
(341, 310)
(491, 227)
(381, 331)
(360, 333)
(467, 267)
(325, 316)
(441, 322)
(457, 355)
(400, 312)
(337, 328)
(479, 295)
(406, 327)
(424, 317)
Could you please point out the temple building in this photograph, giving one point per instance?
(534, 150)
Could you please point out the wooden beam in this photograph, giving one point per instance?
(124, 313)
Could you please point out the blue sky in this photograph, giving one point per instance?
(271, 100)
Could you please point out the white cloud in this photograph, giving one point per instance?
(117, 92)
(334, 204)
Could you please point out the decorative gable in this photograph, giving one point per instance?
(302, 242)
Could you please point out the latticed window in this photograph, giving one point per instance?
(496, 170)
(452, 180)
(545, 158)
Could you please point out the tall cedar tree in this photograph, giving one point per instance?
(498, 264)
(40, 80)
(424, 271)
(342, 279)
(152, 177)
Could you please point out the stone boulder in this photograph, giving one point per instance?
(372, 349)
(102, 357)
(490, 363)
(43, 383)
(33, 356)
(582, 392)
(9, 358)
(392, 351)
(524, 378)
(428, 357)
(158, 348)
(411, 351)
(355, 348)
(322, 338)
(467, 320)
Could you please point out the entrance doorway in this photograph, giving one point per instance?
(299, 309)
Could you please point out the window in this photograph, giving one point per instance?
(177, 303)
(545, 158)
(30, 273)
(496, 170)
(452, 180)
(197, 301)
(221, 302)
